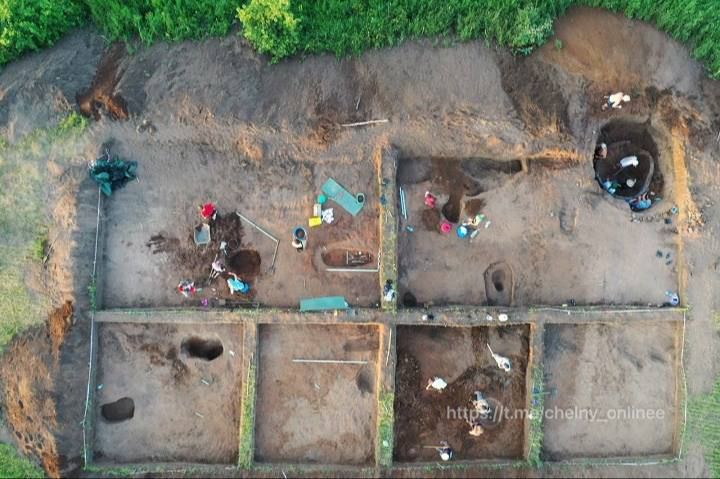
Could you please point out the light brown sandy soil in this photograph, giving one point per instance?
(177, 416)
(626, 375)
(223, 114)
(316, 413)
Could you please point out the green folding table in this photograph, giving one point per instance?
(324, 303)
(334, 191)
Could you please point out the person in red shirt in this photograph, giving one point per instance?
(208, 211)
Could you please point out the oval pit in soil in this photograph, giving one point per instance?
(118, 411)
(206, 349)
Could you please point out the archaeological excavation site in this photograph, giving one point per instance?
(429, 260)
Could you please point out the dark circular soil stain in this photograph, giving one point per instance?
(207, 349)
(245, 262)
(120, 410)
(409, 300)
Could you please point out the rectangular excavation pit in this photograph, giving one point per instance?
(460, 356)
(180, 382)
(149, 247)
(319, 413)
(612, 389)
(553, 237)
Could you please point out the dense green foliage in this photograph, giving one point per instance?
(12, 465)
(270, 26)
(28, 25)
(342, 26)
(169, 20)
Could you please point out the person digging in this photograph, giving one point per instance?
(615, 100)
(445, 451)
(436, 384)
(218, 268)
(237, 285)
(476, 429)
(186, 287)
(208, 212)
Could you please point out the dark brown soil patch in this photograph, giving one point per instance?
(120, 410)
(499, 284)
(195, 261)
(101, 94)
(431, 219)
(409, 300)
(451, 209)
(535, 93)
(625, 138)
(474, 206)
(423, 418)
(346, 258)
(245, 262)
(207, 349)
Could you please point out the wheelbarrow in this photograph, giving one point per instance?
(201, 234)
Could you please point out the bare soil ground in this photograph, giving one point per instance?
(560, 236)
(461, 357)
(184, 406)
(626, 376)
(149, 232)
(316, 413)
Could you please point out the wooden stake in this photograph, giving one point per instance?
(363, 123)
(327, 361)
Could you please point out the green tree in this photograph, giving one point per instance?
(271, 27)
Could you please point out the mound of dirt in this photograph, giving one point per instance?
(101, 94)
(26, 374)
(58, 323)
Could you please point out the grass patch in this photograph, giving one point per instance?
(23, 230)
(247, 421)
(537, 405)
(704, 426)
(14, 465)
(385, 439)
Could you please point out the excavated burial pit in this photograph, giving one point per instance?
(346, 258)
(499, 284)
(207, 349)
(624, 138)
(118, 411)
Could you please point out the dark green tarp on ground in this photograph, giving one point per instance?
(113, 174)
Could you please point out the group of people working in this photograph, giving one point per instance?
(209, 213)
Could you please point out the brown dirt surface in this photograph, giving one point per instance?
(345, 258)
(58, 323)
(316, 413)
(634, 372)
(539, 222)
(101, 95)
(26, 375)
(177, 416)
(460, 356)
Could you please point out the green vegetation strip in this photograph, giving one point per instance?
(13, 465)
(282, 28)
(384, 450)
(537, 404)
(247, 421)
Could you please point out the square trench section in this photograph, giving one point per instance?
(461, 357)
(168, 393)
(317, 412)
(145, 259)
(552, 237)
(612, 390)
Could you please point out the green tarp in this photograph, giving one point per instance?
(324, 303)
(334, 191)
(112, 174)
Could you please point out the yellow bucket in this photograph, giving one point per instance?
(315, 221)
